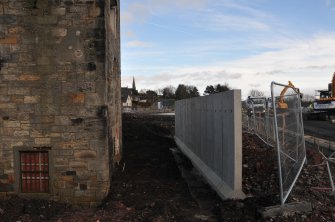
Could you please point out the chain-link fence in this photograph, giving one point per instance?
(289, 134)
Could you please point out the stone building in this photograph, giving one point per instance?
(60, 99)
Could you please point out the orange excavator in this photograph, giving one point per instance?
(281, 103)
(325, 103)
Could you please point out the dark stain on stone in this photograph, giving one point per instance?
(102, 112)
(5, 118)
(91, 45)
(71, 173)
(83, 187)
(2, 61)
(6, 187)
(34, 4)
(4, 177)
(91, 66)
(77, 121)
(68, 2)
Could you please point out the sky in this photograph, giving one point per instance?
(244, 43)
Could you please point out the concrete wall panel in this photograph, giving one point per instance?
(209, 132)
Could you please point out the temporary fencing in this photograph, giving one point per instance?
(258, 119)
(290, 142)
(278, 122)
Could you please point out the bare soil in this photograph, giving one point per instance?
(153, 183)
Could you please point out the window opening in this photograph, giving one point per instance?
(34, 174)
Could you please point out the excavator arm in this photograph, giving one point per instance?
(282, 104)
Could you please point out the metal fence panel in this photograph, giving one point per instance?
(259, 120)
(289, 132)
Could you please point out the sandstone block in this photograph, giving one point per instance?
(64, 153)
(59, 32)
(20, 133)
(46, 20)
(94, 99)
(42, 141)
(94, 11)
(61, 161)
(6, 131)
(58, 11)
(31, 99)
(62, 120)
(66, 178)
(59, 184)
(12, 124)
(29, 77)
(15, 30)
(85, 193)
(9, 40)
(4, 98)
(18, 91)
(41, 3)
(9, 77)
(8, 106)
(86, 87)
(77, 164)
(43, 61)
(55, 135)
(85, 154)
(78, 98)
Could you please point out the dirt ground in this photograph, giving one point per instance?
(154, 182)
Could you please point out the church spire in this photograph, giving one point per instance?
(134, 86)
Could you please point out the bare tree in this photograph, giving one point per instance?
(210, 89)
(186, 91)
(308, 98)
(256, 93)
(169, 92)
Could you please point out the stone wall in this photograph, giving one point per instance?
(60, 93)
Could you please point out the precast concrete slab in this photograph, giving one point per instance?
(209, 132)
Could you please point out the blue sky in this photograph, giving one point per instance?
(245, 43)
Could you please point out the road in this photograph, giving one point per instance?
(321, 129)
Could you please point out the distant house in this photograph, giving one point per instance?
(126, 96)
(127, 101)
(129, 96)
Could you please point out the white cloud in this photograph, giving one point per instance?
(139, 11)
(135, 12)
(138, 44)
(229, 15)
(308, 63)
(222, 22)
(129, 34)
(244, 8)
(188, 4)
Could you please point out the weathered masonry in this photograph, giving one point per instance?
(60, 102)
